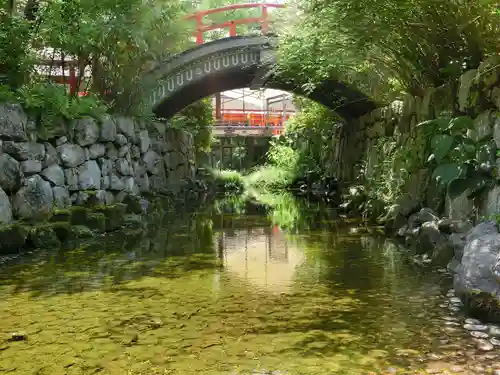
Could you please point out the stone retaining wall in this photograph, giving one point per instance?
(476, 94)
(43, 168)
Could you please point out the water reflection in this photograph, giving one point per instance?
(261, 256)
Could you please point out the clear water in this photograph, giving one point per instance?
(212, 293)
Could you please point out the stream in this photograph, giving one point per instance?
(287, 289)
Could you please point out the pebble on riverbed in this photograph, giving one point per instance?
(476, 327)
(479, 335)
(484, 345)
(18, 336)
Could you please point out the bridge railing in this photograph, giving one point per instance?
(253, 118)
(202, 27)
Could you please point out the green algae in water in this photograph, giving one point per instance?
(179, 301)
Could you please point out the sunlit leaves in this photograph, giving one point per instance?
(414, 44)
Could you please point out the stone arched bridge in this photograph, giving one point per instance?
(238, 62)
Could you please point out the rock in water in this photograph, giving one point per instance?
(477, 276)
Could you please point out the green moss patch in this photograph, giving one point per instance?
(62, 215)
(78, 215)
(44, 237)
(62, 230)
(12, 237)
(115, 215)
(96, 221)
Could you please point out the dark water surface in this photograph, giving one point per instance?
(212, 293)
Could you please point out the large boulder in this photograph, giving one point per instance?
(144, 141)
(71, 155)
(30, 167)
(71, 178)
(11, 176)
(54, 174)
(126, 126)
(5, 208)
(477, 272)
(108, 130)
(34, 200)
(25, 150)
(123, 167)
(152, 162)
(13, 122)
(97, 150)
(89, 176)
(51, 156)
(86, 131)
(61, 197)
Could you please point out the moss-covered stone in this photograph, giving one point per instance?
(61, 215)
(78, 215)
(96, 221)
(133, 221)
(44, 237)
(79, 231)
(62, 230)
(115, 215)
(133, 204)
(12, 238)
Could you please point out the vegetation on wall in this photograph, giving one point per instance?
(198, 120)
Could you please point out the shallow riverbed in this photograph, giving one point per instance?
(219, 294)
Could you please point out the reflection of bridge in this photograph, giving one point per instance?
(261, 256)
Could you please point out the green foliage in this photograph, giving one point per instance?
(383, 46)
(383, 180)
(458, 162)
(226, 181)
(198, 120)
(14, 48)
(269, 178)
(49, 103)
(113, 41)
(307, 141)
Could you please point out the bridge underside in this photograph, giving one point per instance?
(228, 79)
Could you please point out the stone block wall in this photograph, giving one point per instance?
(476, 94)
(67, 164)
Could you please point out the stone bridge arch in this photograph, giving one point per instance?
(234, 63)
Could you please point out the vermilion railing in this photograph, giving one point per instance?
(254, 118)
(202, 27)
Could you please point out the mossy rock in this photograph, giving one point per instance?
(80, 231)
(133, 221)
(62, 230)
(115, 215)
(96, 221)
(12, 238)
(44, 237)
(78, 215)
(133, 204)
(61, 215)
(133, 238)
